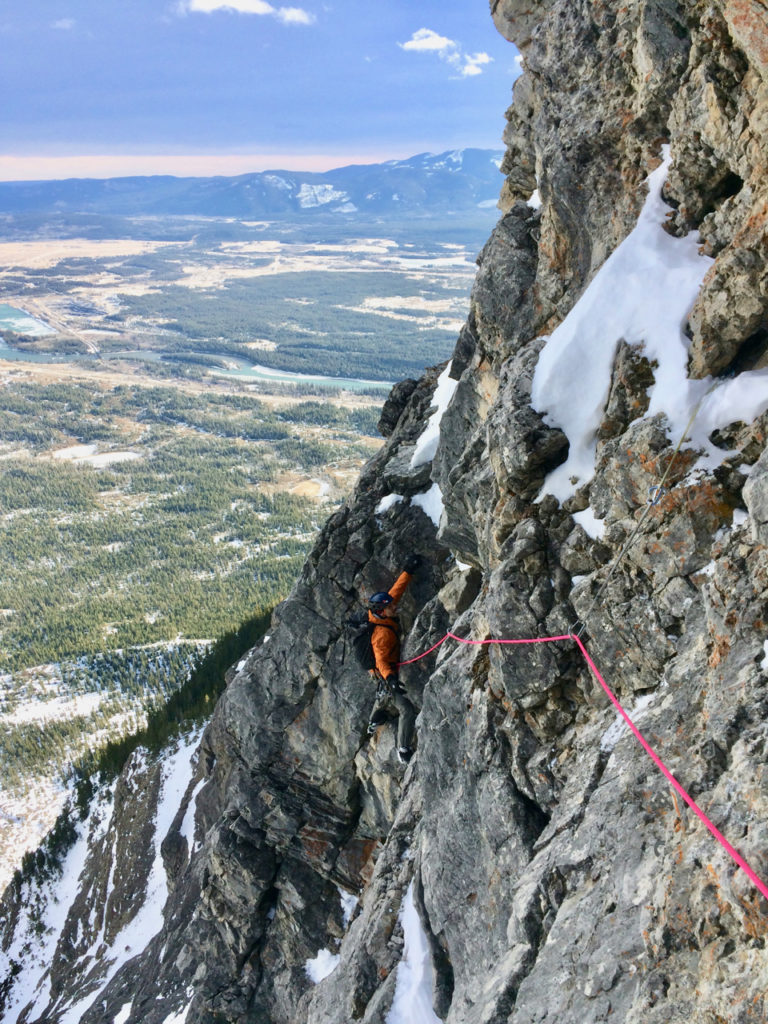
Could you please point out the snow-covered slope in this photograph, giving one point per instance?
(641, 295)
(104, 903)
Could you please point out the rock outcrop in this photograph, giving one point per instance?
(557, 875)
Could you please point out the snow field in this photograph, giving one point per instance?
(349, 904)
(388, 502)
(413, 999)
(54, 710)
(326, 962)
(187, 830)
(431, 502)
(55, 897)
(322, 965)
(319, 195)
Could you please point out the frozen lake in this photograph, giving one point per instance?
(12, 319)
(287, 377)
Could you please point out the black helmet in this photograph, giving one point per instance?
(380, 599)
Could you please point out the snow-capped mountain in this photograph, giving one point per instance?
(456, 183)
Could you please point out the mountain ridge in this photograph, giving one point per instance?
(457, 181)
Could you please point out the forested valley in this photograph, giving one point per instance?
(183, 401)
(138, 525)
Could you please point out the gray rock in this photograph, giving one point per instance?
(400, 477)
(731, 308)
(394, 406)
(756, 499)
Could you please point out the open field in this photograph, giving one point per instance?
(141, 493)
(38, 255)
(336, 306)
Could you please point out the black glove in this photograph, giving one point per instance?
(412, 563)
(393, 683)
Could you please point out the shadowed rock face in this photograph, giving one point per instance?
(556, 875)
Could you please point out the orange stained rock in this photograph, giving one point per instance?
(721, 647)
(748, 23)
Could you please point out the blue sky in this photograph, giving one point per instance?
(105, 87)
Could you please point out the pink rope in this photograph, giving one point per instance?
(463, 640)
(533, 640)
(420, 656)
(734, 854)
(665, 771)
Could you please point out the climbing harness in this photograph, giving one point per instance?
(389, 687)
(733, 853)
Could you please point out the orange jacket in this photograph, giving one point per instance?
(385, 640)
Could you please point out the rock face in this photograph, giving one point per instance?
(557, 875)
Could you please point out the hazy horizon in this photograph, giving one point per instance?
(189, 166)
(224, 87)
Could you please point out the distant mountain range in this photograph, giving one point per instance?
(453, 183)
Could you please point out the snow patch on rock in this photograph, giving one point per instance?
(426, 445)
(641, 294)
(413, 1002)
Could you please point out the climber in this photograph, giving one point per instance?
(391, 700)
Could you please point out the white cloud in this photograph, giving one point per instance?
(294, 16)
(474, 62)
(449, 51)
(64, 23)
(426, 39)
(288, 15)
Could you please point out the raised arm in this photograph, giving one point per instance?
(400, 586)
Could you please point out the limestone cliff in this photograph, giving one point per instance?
(557, 875)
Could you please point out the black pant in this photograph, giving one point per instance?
(391, 702)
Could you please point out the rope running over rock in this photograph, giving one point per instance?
(732, 852)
